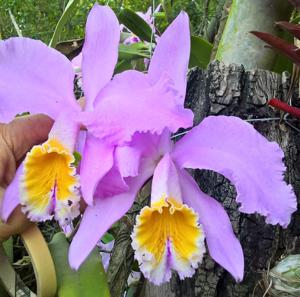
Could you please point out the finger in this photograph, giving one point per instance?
(24, 132)
(7, 162)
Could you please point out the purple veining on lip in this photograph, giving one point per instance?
(53, 199)
(169, 253)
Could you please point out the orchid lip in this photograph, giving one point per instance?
(167, 237)
(49, 184)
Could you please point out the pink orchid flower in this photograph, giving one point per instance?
(169, 234)
(181, 216)
(38, 79)
(116, 190)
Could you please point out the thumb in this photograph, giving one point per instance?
(24, 132)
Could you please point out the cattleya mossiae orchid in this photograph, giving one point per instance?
(38, 79)
(169, 233)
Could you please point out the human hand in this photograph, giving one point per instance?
(16, 138)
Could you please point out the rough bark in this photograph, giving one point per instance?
(230, 90)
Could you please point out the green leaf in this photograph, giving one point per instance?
(67, 14)
(9, 249)
(133, 51)
(136, 24)
(77, 157)
(89, 280)
(200, 52)
(131, 291)
(107, 237)
(123, 66)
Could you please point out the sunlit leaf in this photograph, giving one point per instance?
(136, 24)
(200, 52)
(67, 14)
(133, 51)
(159, 15)
(288, 49)
(89, 280)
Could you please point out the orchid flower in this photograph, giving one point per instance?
(170, 233)
(38, 79)
(117, 187)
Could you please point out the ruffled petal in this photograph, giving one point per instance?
(254, 165)
(168, 237)
(34, 78)
(172, 54)
(100, 51)
(222, 244)
(147, 108)
(11, 198)
(49, 184)
(97, 160)
(97, 219)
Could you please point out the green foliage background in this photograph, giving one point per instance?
(37, 18)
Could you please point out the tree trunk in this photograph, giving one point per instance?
(230, 90)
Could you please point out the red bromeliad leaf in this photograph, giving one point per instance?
(294, 29)
(296, 3)
(294, 111)
(290, 50)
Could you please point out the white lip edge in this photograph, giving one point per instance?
(200, 243)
